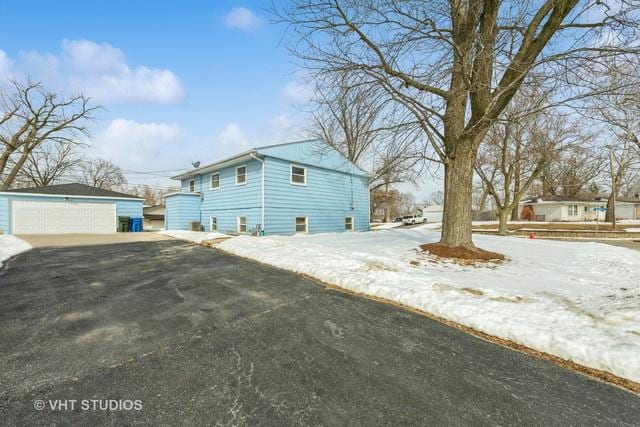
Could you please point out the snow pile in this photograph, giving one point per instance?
(579, 301)
(632, 230)
(10, 246)
(193, 236)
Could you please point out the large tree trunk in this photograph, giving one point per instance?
(503, 220)
(11, 176)
(608, 216)
(458, 188)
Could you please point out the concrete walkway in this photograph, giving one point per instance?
(61, 240)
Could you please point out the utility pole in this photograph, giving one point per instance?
(613, 189)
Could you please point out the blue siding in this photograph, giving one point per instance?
(314, 152)
(326, 200)
(131, 208)
(225, 203)
(335, 189)
(180, 210)
(230, 200)
(4, 214)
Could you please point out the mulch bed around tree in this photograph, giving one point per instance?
(461, 253)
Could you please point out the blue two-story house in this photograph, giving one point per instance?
(298, 187)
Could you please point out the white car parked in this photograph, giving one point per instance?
(412, 219)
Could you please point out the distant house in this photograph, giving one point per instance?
(153, 217)
(431, 213)
(298, 187)
(560, 208)
(65, 208)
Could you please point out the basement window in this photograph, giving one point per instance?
(348, 223)
(301, 224)
(242, 224)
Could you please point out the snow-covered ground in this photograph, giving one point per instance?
(10, 246)
(193, 236)
(384, 225)
(579, 301)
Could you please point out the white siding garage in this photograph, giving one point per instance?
(36, 217)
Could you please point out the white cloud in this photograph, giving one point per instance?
(100, 71)
(297, 92)
(282, 121)
(243, 19)
(131, 144)
(6, 65)
(233, 135)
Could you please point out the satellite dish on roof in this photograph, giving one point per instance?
(195, 164)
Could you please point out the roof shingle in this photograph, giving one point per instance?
(75, 189)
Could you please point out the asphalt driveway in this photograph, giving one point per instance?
(200, 337)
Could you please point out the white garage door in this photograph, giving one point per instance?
(29, 217)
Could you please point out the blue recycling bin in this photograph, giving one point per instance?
(136, 224)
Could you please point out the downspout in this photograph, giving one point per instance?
(369, 203)
(253, 156)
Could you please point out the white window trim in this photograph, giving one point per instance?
(211, 222)
(194, 185)
(211, 181)
(353, 223)
(245, 174)
(304, 184)
(238, 224)
(571, 210)
(306, 225)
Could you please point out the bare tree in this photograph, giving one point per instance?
(49, 163)
(516, 152)
(31, 116)
(618, 110)
(357, 119)
(574, 170)
(152, 195)
(101, 173)
(390, 204)
(456, 64)
(436, 197)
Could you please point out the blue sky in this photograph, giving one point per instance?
(179, 81)
(232, 83)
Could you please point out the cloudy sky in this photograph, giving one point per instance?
(178, 82)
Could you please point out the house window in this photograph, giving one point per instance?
(242, 224)
(241, 175)
(301, 224)
(192, 185)
(213, 223)
(573, 210)
(215, 181)
(348, 223)
(298, 175)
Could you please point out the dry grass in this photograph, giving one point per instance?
(603, 226)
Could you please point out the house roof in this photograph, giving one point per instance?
(75, 189)
(155, 210)
(622, 199)
(313, 152)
